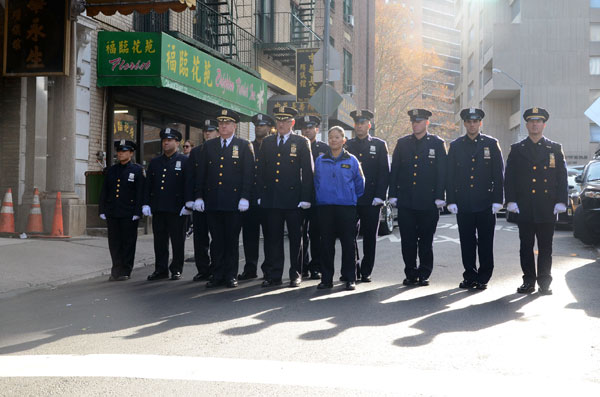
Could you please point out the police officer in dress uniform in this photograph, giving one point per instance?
(475, 193)
(164, 200)
(311, 235)
(285, 186)
(254, 218)
(121, 207)
(201, 235)
(536, 189)
(372, 153)
(417, 185)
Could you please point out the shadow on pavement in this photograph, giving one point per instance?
(584, 283)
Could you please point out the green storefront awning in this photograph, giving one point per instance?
(159, 60)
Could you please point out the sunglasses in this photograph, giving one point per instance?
(186, 146)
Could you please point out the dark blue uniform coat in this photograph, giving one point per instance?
(122, 191)
(165, 183)
(372, 154)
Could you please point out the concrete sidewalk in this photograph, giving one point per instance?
(27, 264)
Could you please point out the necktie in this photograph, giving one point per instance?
(280, 141)
(224, 145)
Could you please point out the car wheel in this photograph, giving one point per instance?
(386, 225)
(580, 229)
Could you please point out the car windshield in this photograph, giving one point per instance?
(593, 172)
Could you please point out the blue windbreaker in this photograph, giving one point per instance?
(338, 181)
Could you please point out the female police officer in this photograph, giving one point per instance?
(339, 181)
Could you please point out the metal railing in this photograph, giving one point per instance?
(285, 28)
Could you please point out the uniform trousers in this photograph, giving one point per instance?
(337, 221)
(252, 221)
(276, 218)
(528, 232)
(368, 224)
(122, 239)
(201, 242)
(417, 228)
(311, 241)
(476, 231)
(168, 226)
(224, 227)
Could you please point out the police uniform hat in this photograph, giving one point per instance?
(419, 114)
(308, 121)
(125, 145)
(210, 125)
(263, 119)
(472, 114)
(283, 113)
(361, 115)
(228, 115)
(170, 133)
(536, 114)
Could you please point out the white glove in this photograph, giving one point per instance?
(199, 205)
(185, 211)
(393, 201)
(496, 207)
(453, 209)
(243, 205)
(377, 201)
(559, 208)
(258, 201)
(103, 217)
(304, 205)
(512, 207)
(189, 205)
(135, 218)
(146, 210)
(440, 203)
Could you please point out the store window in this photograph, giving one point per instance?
(125, 125)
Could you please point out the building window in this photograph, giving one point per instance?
(595, 65)
(347, 9)
(471, 92)
(264, 20)
(594, 133)
(332, 5)
(347, 72)
(331, 41)
(594, 31)
(595, 3)
(151, 22)
(470, 64)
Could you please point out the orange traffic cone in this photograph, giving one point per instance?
(57, 222)
(34, 222)
(7, 214)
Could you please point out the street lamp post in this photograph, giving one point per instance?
(521, 110)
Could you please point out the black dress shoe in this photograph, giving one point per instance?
(201, 276)
(323, 285)
(479, 286)
(305, 274)
(315, 276)
(365, 279)
(158, 276)
(176, 276)
(467, 284)
(270, 283)
(295, 282)
(544, 291)
(410, 281)
(214, 283)
(232, 283)
(247, 276)
(350, 285)
(526, 288)
(423, 282)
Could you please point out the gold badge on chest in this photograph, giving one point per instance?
(235, 152)
(293, 150)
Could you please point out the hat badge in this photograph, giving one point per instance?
(472, 110)
(224, 112)
(259, 117)
(415, 112)
(122, 142)
(358, 113)
(282, 109)
(535, 110)
(306, 119)
(207, 122)
(167, 130)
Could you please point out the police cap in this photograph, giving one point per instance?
(228, 115)
(170, 133)
(361, 115)
(308, 121)
(122, 145)
(472, 114)
(283, 113)
(210, 125)
(263, 119)
(419, 114)
(536, 114)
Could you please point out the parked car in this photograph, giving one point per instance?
(586, 217)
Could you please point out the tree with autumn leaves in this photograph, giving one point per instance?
(406, 77)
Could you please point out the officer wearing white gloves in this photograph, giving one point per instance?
(164, 200)
(417, 188)
(120, 206)
(536, 189)
(372, 154)
(225, 178)
(284, 179)
(475, 191)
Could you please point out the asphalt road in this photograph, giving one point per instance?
(177, 338)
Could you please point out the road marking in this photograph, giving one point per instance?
(267, 372)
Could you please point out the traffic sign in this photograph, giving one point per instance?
(333, 99)
(335, 65)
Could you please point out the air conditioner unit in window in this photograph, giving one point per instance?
(351, 89)
(350, 20)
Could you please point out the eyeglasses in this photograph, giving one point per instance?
(186, 146)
